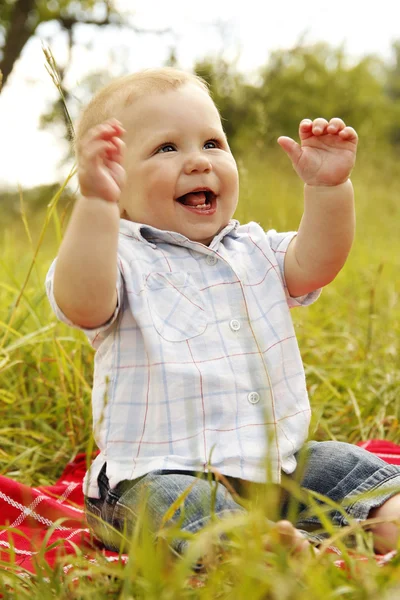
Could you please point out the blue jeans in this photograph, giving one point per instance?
(350, 476)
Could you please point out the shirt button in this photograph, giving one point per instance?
(234, 325)
(211, 260)
(253, 397)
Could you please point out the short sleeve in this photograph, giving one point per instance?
(279, 243)
(94, 335)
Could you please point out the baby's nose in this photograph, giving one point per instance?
(197, 162)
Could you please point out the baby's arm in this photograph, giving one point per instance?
(86, 270)
(324, 161)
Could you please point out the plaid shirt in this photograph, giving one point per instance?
(199, 364)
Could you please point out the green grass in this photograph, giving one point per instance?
(349, 342)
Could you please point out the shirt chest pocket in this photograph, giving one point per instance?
(175, 305)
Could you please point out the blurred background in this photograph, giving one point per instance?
(269, 65)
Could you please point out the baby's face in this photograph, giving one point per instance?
(181, 175)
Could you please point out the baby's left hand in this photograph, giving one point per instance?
(326, 154)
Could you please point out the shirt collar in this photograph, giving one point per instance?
(151, 235)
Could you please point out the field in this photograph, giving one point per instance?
(350, 342)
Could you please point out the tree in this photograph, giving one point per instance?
(306, 81)
(21, 19)
(318, 80)
(393, 91)
(232, 95)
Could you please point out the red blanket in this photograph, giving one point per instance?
(28, 515)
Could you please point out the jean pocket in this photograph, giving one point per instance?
(176, 306)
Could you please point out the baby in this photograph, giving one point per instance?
(197, 365)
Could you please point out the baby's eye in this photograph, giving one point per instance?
(211, 144)
(166, 148)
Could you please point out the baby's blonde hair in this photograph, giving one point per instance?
(121, 92)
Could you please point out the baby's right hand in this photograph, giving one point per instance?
(101, 153)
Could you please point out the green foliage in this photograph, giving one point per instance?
(33, 202)
(393, 91)
(46, 10)
(49, 10)
(305, 82)
(231, 94)
(315, 81)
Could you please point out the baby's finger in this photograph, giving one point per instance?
(117, 172)
(119, 148)
(110, 125)
(98, 134)
(117, 125)
(335, 125)
(103, 131)
(305, 126)
(291, 148)
(98, 148)
(305, 129)
(319, 126)
(349, 134)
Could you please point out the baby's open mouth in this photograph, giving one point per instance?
(200, 199)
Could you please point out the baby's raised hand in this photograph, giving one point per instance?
(326, 154)
(100, 156)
